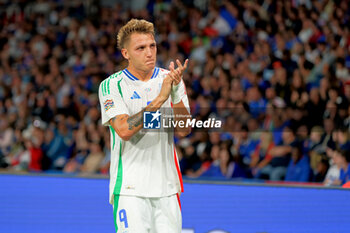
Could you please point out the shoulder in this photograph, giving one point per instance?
(112, 78)
(105, 85)
(116, 76)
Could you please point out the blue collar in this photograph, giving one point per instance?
(133, 78)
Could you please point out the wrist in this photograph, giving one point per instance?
(175, 97)
(175, 87)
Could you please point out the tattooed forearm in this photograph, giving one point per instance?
(135, 120)
(118, 118)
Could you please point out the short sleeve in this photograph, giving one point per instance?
(111, 100)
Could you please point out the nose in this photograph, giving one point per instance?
(148, 52)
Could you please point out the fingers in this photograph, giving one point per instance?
(185, 65)
(171, 66)
(181, 67)
(176, 74)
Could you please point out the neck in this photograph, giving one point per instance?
(142, 75)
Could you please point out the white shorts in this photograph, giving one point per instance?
(147, 215)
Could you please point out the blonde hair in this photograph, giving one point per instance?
(133, 26)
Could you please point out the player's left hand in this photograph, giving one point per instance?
(178, 72)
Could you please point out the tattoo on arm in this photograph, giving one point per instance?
(117, 118)
(135, 120)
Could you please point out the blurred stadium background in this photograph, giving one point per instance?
(275, 72)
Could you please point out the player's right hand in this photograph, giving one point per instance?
(178, 72)
(173, 78)
(166, 87)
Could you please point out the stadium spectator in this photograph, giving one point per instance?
(261, 156)
(333, 173)
(342, 160)
(320, 171)
(316, 105)
(94, 159)
(341, 138)
(244, 144)
(231, 166)
(299, 166)
(222, 164)
(214, 169)
(281, 154)
(315, 147)
(58, 143)
(6, 139)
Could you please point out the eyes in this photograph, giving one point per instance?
(140, 48)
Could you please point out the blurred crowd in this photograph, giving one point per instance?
(276, 73)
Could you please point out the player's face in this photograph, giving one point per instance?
(141, 51)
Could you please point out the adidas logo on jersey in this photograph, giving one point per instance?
(135, 96)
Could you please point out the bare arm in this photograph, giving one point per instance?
(263, 162)
(255, 158)
(280, 151)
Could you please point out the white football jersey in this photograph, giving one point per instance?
(147, 164)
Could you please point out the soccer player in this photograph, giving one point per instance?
(145, 179)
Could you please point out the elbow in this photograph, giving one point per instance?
(125, 136)
(121, 128)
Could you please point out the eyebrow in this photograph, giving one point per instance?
(144, 45)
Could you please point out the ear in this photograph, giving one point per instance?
(125, 53)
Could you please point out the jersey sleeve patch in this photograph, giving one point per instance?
(108, 104)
